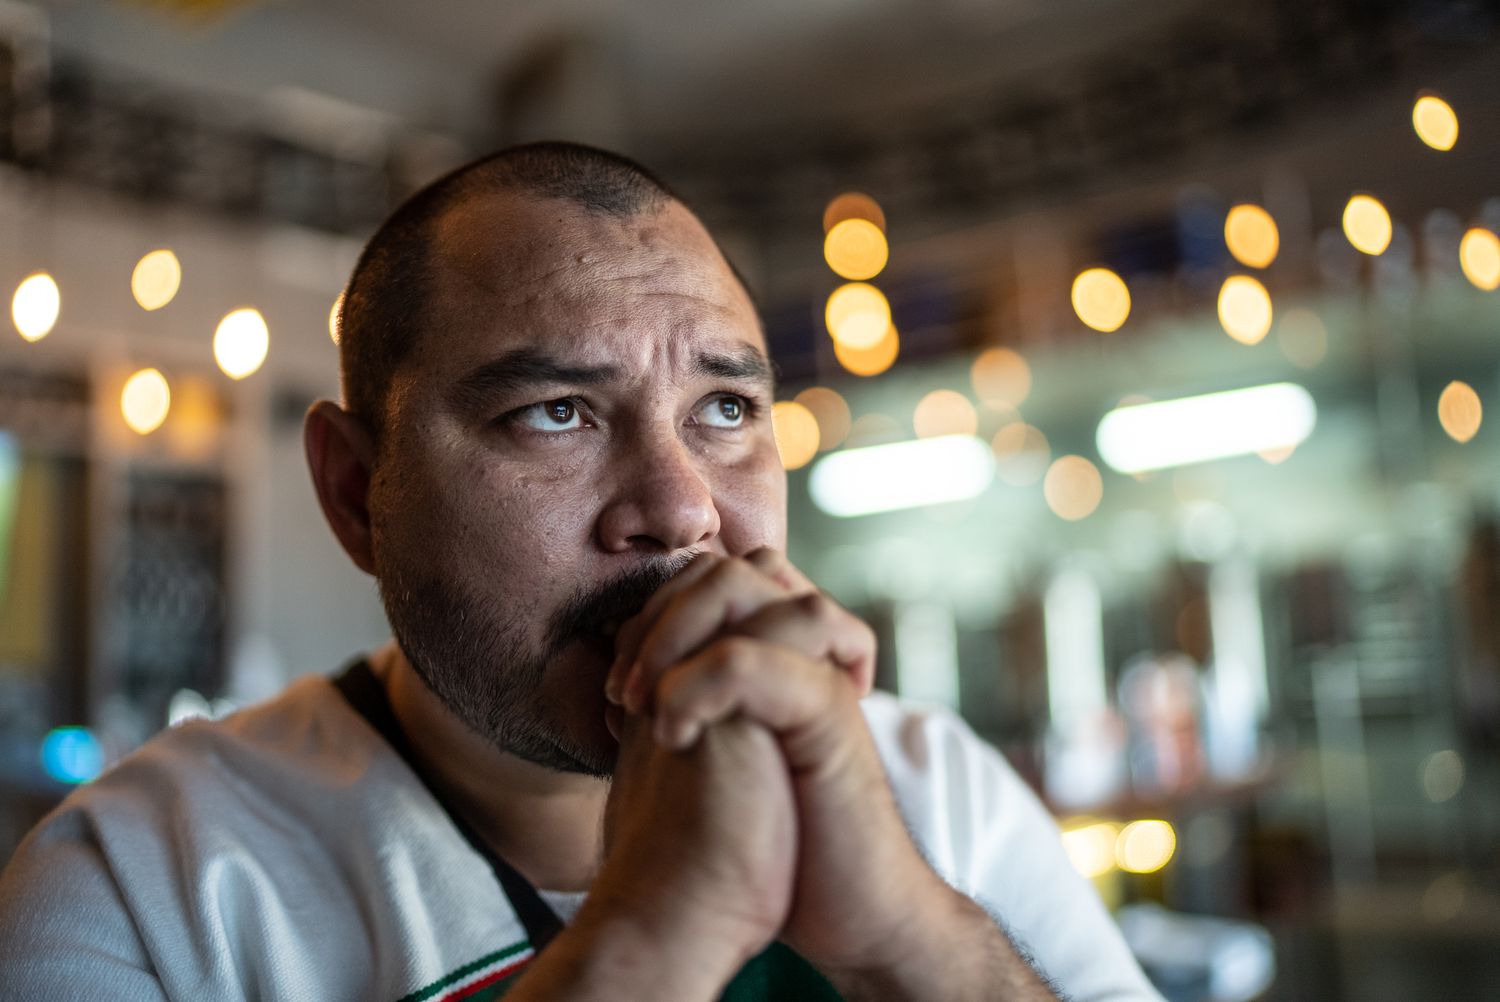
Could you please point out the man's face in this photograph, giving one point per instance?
(588, 406)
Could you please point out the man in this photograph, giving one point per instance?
(618, 748)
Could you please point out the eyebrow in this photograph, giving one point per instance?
(523, 368)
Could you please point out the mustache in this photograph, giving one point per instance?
(619, 597)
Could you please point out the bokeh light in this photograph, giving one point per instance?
(1251, 235)
(336, 318)
(1459, 411)
(856, 249)
(1021, 454)
(1001, 378)
(870, 361)
(156, 279)
(72, 754)
(1245, 309)
(1091, 847)
(241, 342)
(1073, 488)
(1101, 299)
(796, 430)
(1442, 775)
(1435, 121)
(1145, 846)
(1367, 224)
(35, 307)
(858, 315)
(1479, 256)
(145, 401)
(1303, 337)
(852, 205)
(944, 412)
(831, 412)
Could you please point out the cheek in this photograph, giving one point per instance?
(752, 504)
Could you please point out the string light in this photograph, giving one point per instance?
(858, 315)
(1435, 121)
(831, 412)
(145, 401)
(1367, 225)
(241, 342)
(156, 278)
(852, 205)
(35, 307)
(1479, 256)
(1459, 411)
(1001, 378)
(1101, 299)
(796, 431)
(1022, 454)
(870, 361)
(1245, 309)
(944, 412)
(856, 249)
(1145, 846)
(1251, 236)
(1073, 488)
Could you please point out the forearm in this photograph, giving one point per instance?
(953, 951)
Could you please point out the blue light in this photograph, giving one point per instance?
(72, 754)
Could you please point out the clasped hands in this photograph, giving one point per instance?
(749, 801)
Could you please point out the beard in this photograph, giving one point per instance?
(478, 656)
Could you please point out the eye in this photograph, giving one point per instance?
(551, 415)
(727, 411)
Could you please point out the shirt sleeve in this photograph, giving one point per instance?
(64, 930)
(988, 835)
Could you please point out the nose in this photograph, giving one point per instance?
(659, 503)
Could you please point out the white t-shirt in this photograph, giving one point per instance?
(287, 852)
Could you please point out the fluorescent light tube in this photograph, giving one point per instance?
(912, 474)
(1169, 433)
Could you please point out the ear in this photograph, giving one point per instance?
(341, 455)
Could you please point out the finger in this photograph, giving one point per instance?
(775, 564)
(771, 685)
(820, 629)
(628, 638)
(725, 595)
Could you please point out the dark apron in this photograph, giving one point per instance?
(777, 972)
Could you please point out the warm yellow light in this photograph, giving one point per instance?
(944, 412)
(35, 307)
(1459, 411)
(241, 342)
(145, 400)
(1021, 454)
(852, 205)
(1101, 299)
(1073, 488)
(796, 432)
(1479, 255)
(1302, 336)
(1245, 309)
(1001, 378)
(1251, 235)
(856, 249)
(870, 361)
(858, 315)
(336, 318)
(1435, 122)
(1367, 224)
(1091, 848)
(1145, 846)
(831, 412)
(156, 279)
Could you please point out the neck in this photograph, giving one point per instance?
(546, 824)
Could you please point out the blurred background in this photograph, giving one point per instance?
(1134, 356)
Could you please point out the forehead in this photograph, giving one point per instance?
(641, 291)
